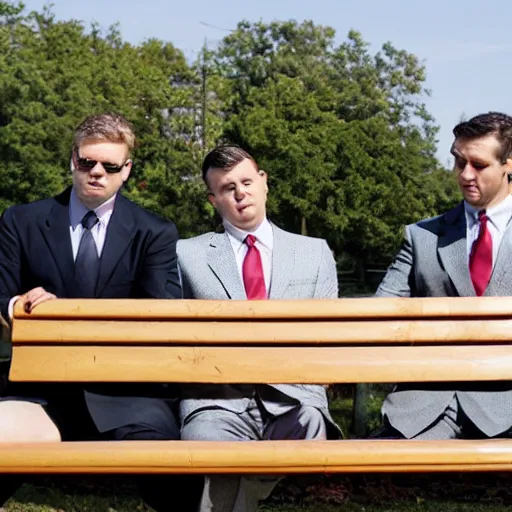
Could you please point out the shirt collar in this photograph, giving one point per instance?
(77, 210)
(499, 214)
(263, 233)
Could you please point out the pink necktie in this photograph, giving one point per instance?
(480, 261)
(252, 271)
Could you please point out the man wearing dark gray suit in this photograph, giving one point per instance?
(464, 252)
(251, 259)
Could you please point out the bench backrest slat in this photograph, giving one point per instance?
(471, 308)
(312, 365)
(302, 342)
(265, 332)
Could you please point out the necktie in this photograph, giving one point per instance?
(252, 271)
(87, 263)
(480, 261)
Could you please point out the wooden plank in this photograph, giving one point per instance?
(311, 365)
(151, 309)
(278, 457)
(270, 332)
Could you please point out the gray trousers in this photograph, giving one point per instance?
(446, 426)
(452, 424)
(233, 493)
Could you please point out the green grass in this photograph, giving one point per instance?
(434, 506)
(341, 410)
(74, 496)
(51, 499)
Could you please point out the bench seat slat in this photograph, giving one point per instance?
(151, 309)
(256, 456)
(312, 365)
(324, 332)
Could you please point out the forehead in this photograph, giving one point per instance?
(103, 150)
(244, 170)
(487, 147)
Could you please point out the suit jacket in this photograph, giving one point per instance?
(433, 262)
(302, 268)
(138, 261)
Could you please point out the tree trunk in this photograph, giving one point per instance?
(303, 227)
(360, 410)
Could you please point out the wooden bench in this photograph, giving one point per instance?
(320, 342)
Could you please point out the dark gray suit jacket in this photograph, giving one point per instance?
(302, 268)
(433, 262)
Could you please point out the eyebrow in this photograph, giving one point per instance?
(455, 153)
(226, 185)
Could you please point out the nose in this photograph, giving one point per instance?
(97, 170)
(468, 173)
(239, 192)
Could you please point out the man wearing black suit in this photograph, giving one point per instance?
(88, 242)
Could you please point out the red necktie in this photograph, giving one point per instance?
(252, 271)
(480, 261)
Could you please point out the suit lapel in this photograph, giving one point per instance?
(55, 230)
(222, 262)
(120, 232)
(283, 256)
(501, 278)
(452, 248)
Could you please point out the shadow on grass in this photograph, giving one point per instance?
(77, 494)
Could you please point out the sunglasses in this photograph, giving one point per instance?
(86, 164)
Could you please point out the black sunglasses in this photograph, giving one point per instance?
(85, 164)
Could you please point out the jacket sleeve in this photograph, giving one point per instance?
(327, 282)
(10, 263)
(159, 278)
(398, 281)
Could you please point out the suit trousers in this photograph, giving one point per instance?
(226, 493)
(452, 424)
(164, 493)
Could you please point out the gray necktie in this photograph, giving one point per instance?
(87, 263)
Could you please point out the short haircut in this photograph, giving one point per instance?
(492, 123)
(225, 157)
(107, 127)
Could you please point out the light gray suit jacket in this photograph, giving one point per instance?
(302, 268)
(433, 262)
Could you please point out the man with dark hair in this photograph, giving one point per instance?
(251, 259)
(89, 242)
(465, 252)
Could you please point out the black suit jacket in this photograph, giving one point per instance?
(138, 261)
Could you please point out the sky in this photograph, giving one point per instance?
(466, 46)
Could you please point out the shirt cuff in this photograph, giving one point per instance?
(10, 307)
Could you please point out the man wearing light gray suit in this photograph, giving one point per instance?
(252, 259)
(465, 252)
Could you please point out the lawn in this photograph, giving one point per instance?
(118, 497)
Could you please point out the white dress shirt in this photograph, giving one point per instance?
(77, 211)
(499, 217)
(264, 242)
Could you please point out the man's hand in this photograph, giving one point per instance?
(34, 297)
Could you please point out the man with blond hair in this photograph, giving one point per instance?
(89, 242)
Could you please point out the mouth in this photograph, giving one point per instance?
(95, 184)
(471, 189)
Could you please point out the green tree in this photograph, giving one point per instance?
(344, 134)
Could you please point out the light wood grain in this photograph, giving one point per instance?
(230, 332)
(152, 309)
(310, 365)
(256, 456)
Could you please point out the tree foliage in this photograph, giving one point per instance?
(344, 134)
